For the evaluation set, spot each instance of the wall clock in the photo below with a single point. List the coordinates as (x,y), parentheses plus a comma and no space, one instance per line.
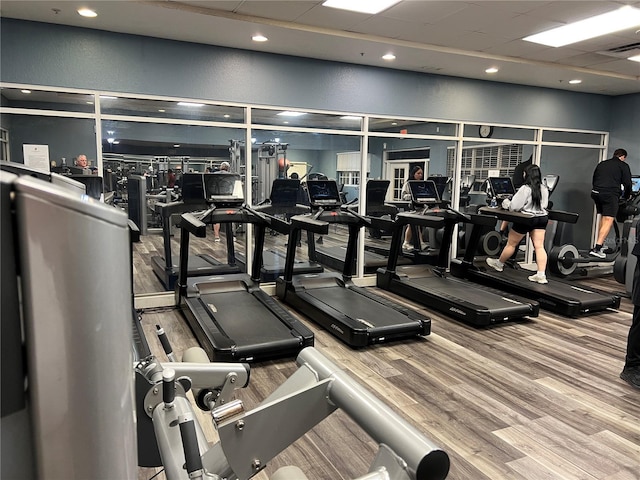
(486,131)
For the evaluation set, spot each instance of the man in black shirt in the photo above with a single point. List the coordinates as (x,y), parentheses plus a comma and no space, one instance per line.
(607,178)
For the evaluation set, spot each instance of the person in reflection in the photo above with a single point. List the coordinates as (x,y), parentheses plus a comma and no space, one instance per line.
(631,371)
(607,178)
(415,174)
(171,178)
(81,161)
(224,168)
(532,198)
(518,180)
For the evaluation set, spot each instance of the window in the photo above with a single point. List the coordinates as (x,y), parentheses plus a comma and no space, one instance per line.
(4,145)
(480,161)
(348,177)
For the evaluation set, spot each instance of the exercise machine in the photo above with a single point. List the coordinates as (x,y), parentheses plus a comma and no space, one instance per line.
(556,296)
(374,257)
(166,267)
(433,286)
(230,315)
(283,203)
(565,260)
(353,314)
(87,341)
(250,439)
(66,339)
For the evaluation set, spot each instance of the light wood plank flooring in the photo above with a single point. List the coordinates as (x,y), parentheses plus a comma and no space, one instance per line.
(538,399)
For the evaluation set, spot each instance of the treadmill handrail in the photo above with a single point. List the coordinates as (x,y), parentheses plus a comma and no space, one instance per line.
(188,221)
(411,218)
(306,222)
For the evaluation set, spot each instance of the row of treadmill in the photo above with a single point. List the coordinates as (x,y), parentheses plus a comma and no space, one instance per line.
(235,320)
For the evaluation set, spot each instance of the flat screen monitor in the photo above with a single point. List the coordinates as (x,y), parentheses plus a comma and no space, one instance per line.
(424,192)
(223,188)
(441,183)
(323,193)
(377,192)
(501,186)
(193,190)
(284,192)
(92,183)
(635,184)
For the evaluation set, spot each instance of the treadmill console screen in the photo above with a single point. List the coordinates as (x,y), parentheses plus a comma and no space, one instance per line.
(377,192)
(635,184)
(284,192)
(424,192)
(92,183)
(193,188)
(441,183)
(223,188)
(323,193)
(501,186)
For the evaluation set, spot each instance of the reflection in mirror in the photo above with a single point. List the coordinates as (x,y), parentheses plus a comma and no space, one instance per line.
(65,138)
(575,167)
(184,110)
(412,127)
(289,118)
(44,100)
(307,156)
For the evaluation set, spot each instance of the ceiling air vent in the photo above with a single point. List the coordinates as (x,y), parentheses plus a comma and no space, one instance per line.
(625,51)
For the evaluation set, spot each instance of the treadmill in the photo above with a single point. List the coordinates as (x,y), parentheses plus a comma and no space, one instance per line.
(232,318)
(432,286)
(355,315)
(557,296)
(166,267)
(375,257)
(283,203)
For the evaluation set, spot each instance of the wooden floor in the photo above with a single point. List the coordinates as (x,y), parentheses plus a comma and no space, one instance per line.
(539,399)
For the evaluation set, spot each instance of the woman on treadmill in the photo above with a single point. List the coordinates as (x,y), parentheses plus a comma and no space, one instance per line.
(532,198)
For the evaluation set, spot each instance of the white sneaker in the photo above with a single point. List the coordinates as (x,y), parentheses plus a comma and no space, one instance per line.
(217,239)
(424,246)
(597,253)
(538,278)
(407,246)
(495,264)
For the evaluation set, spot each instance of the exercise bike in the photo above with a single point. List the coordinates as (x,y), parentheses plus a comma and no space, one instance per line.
(566,260)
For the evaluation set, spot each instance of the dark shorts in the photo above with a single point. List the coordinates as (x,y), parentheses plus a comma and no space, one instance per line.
(537,223)
(606,203)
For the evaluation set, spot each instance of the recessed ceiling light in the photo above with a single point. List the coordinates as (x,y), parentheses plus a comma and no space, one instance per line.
(254,140)
(259,38)
(291,114)
(107,97)
(190,104)
(116,142)
(89,103)
(87,12)
(635,58)
(226,115)
(491,70)
(615,21)
(362,6)
(394,124)
(350,117)
(176,145)
(389,57)
(286,122)
(25,91)
(575,81)
(161,110)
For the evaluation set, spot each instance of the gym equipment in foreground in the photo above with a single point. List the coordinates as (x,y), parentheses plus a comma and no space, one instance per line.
(249,439)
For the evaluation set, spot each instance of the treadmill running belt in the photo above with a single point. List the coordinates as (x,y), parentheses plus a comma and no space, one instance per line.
(360,308)
(244,319)
(196,262)
(452,289)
